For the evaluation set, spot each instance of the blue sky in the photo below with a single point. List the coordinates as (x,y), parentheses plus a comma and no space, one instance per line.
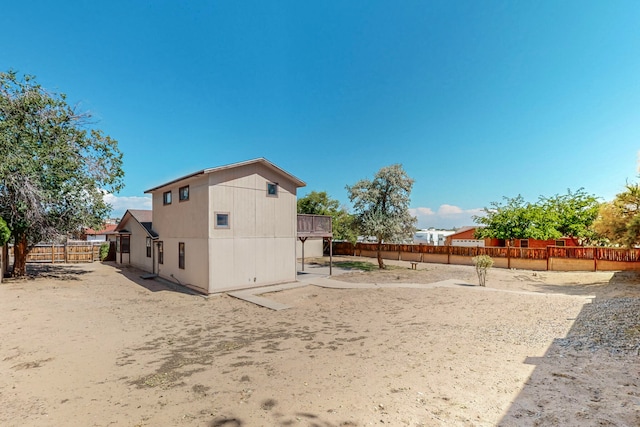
(477,100)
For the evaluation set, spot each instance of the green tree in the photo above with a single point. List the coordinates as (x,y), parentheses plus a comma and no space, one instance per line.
(573,214)
(515,219)
(5,233)
(566,215)
(381,206)
(619,220)
(55,168)
(319,203)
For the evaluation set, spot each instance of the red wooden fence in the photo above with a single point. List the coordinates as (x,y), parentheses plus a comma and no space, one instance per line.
(569,253)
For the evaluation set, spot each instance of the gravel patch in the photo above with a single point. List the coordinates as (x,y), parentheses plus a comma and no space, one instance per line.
(610,324)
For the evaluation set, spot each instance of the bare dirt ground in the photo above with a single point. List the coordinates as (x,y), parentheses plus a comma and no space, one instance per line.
(94,345)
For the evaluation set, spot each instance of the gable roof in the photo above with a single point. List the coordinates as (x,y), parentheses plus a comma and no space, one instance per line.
(298,182)
(462,230)
(107,229)
(142,217)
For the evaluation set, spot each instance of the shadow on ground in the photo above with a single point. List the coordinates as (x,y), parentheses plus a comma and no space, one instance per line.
(590,376)
(151,284)
(282,420)
(620,284)
(55,271)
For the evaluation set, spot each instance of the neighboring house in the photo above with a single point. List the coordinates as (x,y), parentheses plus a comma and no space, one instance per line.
(431,236)
(103,235)
(218,229)
(134,240)
(466,237)
(535,243)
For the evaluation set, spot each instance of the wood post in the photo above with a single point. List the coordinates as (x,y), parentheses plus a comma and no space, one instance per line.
(302,239)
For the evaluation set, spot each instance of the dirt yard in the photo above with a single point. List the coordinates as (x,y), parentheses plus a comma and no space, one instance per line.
(93,345)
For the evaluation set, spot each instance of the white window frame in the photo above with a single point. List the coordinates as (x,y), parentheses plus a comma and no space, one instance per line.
(275,186)
(216,223)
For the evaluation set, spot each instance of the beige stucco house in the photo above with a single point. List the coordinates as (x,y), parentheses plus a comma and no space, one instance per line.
(225,228)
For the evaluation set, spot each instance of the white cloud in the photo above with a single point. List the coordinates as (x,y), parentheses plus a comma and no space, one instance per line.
(421,212)
(446,216)
(449,210)
(121,203)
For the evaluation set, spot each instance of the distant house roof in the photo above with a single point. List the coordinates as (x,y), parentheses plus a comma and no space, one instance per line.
(298,182)
(142,216)
(108,229)
(462,230)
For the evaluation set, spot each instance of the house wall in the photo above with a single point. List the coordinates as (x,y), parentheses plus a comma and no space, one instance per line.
(312,248)
(187,222)
(468,234)
(195,263)
(467,242)
(137,256)
(138,250)
(534,243)
(259,246)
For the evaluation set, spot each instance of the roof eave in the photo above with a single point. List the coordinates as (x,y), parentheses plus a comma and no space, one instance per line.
(297,181)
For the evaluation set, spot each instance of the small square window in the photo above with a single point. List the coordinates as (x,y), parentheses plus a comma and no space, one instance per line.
(222,220)
(272,189)
(524,243)
(166,197)
(183,193)
(559,242)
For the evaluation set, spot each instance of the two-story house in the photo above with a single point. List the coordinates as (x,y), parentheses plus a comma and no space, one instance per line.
(224,228)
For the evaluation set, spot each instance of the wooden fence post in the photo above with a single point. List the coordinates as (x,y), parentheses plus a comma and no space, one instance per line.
(546,251)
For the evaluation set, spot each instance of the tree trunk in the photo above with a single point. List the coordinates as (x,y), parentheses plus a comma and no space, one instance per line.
(20,252)
(380,261)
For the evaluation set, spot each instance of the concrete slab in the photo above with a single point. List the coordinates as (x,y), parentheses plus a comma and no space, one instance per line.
(251,295)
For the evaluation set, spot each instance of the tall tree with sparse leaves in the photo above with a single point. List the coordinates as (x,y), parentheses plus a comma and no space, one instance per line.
(54,167)
(381,206)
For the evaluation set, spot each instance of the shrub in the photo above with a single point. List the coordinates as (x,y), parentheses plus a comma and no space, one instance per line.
(482,263)
(104,251)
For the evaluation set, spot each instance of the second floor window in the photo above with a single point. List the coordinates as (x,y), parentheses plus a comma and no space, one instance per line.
(272,189)
(222,220)
(166,198)
(183,193)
